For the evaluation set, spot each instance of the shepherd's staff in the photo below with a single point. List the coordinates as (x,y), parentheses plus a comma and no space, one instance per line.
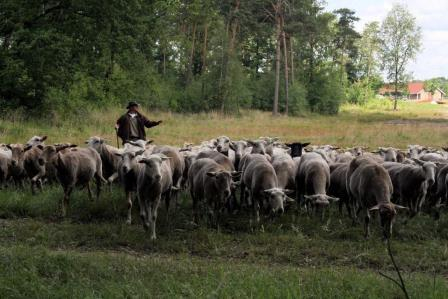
(116,134)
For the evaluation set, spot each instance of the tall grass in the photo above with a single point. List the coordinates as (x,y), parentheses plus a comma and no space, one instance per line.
(374,124)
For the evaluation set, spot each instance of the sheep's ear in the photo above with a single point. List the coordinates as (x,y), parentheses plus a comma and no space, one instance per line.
(306,144)
(40,146)
(268,191)
(289,199)
(232,145)
(418,161)
(375,208)
(398,207)
(164,158)
(251,142)
(138,153)
(332,199)
(288,191)
(86,142)
(212,173)
(149,142)
(44,138)
(310,197)
(143,161)
(9,146)
(118,154)
(63,147)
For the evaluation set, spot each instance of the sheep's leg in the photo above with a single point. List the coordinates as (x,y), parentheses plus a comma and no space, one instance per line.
(89,191)
(153,212)
(218,210)
(129,200)
(243,194)
(341,202)
(143,211)
(210,215)
(112,178)
(366,224)
(256,210)
(66,200)
(98,182)
(195,208)
(167,197)
(39,184)
(167,205)
(347,207)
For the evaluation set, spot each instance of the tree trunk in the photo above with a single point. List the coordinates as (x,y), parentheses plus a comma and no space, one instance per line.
(204,50)
(234,26)
(292,60)
(190,61)
(396,93)
(277,59)
(164,62)
(285,58)
(204,60)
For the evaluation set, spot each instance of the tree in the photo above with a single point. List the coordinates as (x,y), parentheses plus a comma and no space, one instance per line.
(400,43)
(369,47)
(345,40)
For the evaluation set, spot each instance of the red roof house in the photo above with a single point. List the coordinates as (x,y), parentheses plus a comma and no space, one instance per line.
(417,92)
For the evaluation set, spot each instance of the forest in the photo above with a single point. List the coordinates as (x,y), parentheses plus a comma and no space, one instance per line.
(285,56)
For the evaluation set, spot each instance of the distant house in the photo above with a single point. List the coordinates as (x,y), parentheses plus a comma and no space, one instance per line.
(438,95)
(388,90)
(415,92)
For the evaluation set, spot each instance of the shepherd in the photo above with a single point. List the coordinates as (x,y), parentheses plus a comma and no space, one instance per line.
(131,125)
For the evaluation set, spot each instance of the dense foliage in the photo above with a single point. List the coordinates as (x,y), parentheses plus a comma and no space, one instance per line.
(69,56)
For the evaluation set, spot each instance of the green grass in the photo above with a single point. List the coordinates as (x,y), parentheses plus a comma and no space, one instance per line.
(374,124)
(43,273)
(92,253)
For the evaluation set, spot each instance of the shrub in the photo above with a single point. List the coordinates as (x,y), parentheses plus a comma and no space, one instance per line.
(325,92)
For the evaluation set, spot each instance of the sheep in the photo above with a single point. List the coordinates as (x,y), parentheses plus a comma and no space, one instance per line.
(209,181)
(370,186)
(78,167)
(154,183)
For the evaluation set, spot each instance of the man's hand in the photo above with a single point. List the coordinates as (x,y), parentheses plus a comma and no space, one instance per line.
(159,122)
(116,127)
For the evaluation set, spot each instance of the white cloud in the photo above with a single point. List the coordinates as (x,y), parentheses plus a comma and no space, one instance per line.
(431,16)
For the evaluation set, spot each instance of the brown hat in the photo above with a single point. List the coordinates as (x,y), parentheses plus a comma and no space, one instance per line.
(132,104)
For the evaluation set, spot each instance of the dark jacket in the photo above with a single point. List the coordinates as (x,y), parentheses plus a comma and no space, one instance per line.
(124,127)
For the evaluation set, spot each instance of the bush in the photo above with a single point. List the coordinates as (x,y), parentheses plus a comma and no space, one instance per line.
(325,92)
(297,99)
(84,94)
(359,92)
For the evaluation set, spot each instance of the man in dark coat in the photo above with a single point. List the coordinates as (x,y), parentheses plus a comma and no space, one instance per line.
(131,125)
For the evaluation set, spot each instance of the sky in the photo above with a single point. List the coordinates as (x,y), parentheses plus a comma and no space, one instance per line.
(431,16)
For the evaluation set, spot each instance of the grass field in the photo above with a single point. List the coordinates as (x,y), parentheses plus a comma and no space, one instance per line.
(92,253)
(372,125)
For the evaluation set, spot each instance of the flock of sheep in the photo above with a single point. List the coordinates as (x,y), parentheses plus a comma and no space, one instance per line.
(270,176)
